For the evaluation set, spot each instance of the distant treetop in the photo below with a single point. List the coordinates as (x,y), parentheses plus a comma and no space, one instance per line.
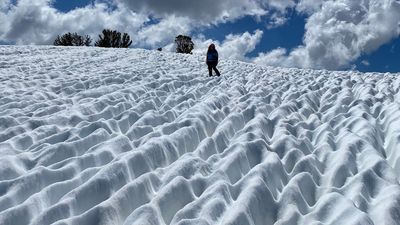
(184,44)
(72,39)
(113,39)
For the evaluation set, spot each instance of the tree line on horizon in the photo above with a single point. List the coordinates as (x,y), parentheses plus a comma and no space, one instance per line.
(115,39)
(107,39)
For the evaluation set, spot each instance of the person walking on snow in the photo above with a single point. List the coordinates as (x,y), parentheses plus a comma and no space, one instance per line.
(212,60)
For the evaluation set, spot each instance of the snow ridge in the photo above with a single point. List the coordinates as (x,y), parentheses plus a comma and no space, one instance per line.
(133,137)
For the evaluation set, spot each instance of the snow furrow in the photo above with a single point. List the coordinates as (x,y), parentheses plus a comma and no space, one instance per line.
(133,137)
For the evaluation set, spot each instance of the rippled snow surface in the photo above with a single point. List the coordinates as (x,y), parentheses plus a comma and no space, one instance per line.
(135,137)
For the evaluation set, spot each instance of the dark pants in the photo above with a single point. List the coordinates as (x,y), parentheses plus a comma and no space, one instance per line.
(213,66)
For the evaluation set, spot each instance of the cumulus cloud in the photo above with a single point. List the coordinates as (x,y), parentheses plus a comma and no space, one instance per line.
(213,12)
(309,6)
(338,32)
(156,35)
(275,57)
(4,4)
(205,11)
(235,46)
(36,22)
(280,5)
(238,46)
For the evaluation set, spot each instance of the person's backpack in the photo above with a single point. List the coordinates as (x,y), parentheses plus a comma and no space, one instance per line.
(212,56)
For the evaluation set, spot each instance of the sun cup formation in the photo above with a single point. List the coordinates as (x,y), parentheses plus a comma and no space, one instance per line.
(136,137)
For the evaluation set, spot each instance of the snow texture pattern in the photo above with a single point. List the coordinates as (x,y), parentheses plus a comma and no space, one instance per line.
(136,137)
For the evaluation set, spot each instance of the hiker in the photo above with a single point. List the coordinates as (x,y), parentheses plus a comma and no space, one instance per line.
(212,60)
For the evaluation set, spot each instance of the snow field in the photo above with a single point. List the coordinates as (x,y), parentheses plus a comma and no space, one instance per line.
(135,137)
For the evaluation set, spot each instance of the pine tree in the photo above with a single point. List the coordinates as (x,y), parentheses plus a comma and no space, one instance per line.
(184,44)
(72,39)
(113,39)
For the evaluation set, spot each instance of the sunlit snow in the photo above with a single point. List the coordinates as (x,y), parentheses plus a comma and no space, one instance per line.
(126,136)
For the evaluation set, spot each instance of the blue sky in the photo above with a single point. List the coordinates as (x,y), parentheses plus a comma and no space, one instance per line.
(278,44)
(68,5)
(385,59)
(290,35)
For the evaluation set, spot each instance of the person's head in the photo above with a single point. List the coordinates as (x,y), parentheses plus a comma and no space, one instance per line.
(211,47)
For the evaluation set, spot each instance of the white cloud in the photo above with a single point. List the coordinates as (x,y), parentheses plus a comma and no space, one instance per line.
(277,19)
(277,14)
(309,6)
(165,31)
(205,11)
(280,5)
(36,22)
(4,7)
(338,32)
(275,57)
(4,4)
(235,46)
(365,63)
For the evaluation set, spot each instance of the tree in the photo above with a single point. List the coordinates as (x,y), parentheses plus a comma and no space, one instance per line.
(113,39)
(72,39)
(184,44)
